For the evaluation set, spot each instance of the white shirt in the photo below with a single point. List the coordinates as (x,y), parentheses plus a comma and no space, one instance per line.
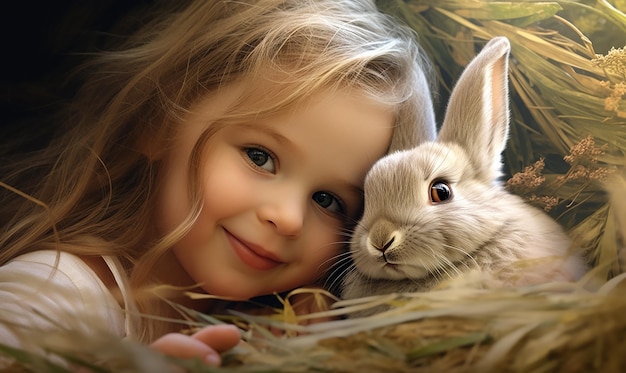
(47,291)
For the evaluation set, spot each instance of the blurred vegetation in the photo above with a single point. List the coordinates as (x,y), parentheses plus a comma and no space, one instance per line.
(567,79)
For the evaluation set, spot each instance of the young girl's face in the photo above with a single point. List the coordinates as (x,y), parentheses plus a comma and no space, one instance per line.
(277,193)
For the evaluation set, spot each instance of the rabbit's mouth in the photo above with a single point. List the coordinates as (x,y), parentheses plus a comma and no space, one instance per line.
(400,271)
(394,271)
(386,260)
(390,266)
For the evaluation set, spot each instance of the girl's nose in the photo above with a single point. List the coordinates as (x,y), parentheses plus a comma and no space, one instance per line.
(285,214)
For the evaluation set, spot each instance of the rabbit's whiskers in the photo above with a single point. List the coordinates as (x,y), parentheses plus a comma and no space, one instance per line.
(340,268)
(466,254)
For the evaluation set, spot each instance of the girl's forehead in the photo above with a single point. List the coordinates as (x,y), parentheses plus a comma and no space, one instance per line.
(344,111)
(277,93)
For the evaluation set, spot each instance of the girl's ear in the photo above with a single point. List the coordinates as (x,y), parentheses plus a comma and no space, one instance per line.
(477,117)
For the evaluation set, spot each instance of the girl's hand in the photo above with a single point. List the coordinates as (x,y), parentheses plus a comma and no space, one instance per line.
(206,344)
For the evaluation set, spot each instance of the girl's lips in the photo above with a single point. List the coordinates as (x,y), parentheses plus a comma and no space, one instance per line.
(251,255)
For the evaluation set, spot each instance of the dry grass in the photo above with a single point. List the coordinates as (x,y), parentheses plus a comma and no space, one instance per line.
(553,327)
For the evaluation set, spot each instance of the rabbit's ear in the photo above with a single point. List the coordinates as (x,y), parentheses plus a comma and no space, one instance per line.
(414,128)
(477,117)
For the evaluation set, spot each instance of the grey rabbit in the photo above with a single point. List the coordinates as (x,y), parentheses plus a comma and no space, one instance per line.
(438,210)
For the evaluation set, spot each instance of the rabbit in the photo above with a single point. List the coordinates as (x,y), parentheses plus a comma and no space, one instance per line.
(438,210)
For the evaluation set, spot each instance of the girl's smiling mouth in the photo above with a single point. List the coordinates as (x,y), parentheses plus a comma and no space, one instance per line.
(252,255)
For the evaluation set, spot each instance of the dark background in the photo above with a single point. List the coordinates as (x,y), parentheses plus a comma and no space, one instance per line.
(42,42)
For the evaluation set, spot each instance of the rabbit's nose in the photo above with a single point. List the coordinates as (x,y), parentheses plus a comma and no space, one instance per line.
(387,244)
(383,235)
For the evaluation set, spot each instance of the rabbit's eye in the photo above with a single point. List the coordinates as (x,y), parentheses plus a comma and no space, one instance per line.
(440,191)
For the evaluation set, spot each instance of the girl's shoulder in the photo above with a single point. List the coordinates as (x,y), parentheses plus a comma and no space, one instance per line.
(60,283)
(62,268)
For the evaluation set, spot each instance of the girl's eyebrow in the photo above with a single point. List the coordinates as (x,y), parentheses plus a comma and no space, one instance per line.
(268,131)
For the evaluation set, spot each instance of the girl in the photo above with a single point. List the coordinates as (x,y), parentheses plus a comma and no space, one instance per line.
(223,146)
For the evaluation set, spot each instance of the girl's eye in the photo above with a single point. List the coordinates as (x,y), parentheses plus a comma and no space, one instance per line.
(261,158)
(329,202)
(440,191)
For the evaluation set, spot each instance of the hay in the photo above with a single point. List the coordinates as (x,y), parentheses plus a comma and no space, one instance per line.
(567,155)
(552,327)
(556,327)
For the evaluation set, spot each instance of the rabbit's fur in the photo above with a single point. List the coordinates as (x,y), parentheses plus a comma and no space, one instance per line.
(405,242)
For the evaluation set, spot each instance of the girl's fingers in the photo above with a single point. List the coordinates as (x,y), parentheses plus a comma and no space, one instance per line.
(220,337)
(186,347)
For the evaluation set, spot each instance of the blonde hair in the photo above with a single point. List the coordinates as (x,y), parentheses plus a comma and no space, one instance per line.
(95,180)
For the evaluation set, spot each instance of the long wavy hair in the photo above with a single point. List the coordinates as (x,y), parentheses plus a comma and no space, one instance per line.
(91,191)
